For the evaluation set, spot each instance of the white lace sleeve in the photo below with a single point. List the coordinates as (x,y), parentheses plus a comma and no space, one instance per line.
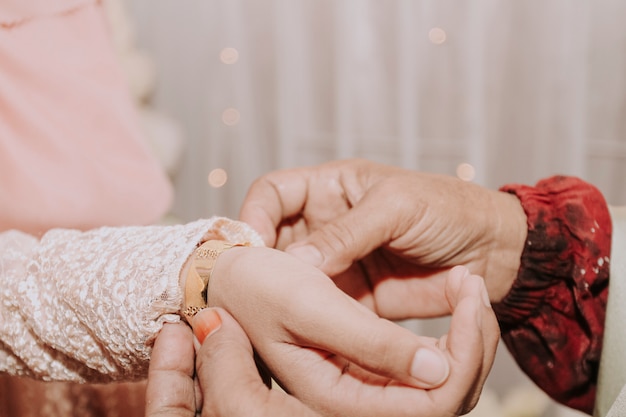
(86,306)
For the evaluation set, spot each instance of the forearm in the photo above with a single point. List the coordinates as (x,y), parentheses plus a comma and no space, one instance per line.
(87,306)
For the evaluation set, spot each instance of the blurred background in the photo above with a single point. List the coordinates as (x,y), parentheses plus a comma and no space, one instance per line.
(494,91)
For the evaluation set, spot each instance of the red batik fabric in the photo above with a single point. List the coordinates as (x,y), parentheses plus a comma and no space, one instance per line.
(552,320)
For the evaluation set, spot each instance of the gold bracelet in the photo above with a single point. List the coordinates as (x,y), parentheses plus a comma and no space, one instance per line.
(199,274)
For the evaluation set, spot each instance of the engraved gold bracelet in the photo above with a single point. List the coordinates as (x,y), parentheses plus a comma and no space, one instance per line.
(199,274)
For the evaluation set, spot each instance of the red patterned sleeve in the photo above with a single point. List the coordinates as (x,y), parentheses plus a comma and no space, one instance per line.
(552,319)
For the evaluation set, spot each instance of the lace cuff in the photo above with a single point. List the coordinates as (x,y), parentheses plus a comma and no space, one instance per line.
(552,320)
(86,306)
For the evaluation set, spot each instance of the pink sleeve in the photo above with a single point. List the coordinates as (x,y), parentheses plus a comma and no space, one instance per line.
(72,153)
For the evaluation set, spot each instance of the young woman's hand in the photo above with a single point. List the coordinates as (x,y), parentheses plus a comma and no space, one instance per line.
(319,381)
(337,356)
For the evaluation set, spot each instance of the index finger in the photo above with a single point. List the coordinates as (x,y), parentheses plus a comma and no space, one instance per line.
(230,381)
(272,198)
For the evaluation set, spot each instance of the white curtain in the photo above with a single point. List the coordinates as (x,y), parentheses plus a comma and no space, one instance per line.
(519,90)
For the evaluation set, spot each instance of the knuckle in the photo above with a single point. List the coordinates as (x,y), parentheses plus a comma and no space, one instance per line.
(337,238)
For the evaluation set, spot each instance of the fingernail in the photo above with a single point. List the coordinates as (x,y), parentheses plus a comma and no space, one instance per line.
(479,318)
(456,276)
(460,270)
(308,254)
(458,273)
(205,323)
(429,366)
(485,296)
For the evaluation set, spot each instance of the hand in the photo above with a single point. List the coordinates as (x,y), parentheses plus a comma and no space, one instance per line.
(228,376)
(339,358)
(389,228)
(225,374)
(231,386)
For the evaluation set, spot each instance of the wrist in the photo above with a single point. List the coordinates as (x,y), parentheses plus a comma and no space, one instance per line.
(196,275)
(510,232)
(222,280)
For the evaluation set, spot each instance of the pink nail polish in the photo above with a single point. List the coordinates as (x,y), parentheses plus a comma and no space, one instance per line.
(205,323)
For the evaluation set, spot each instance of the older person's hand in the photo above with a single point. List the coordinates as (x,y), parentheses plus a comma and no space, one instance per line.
(379,231)
(231,386)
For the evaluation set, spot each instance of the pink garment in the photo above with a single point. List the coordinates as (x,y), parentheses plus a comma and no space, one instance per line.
(72,153)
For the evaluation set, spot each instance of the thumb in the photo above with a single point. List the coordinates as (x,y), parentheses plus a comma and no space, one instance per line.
(209,320)
(170,390)
(228,375)
(224,361)
(349,237)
